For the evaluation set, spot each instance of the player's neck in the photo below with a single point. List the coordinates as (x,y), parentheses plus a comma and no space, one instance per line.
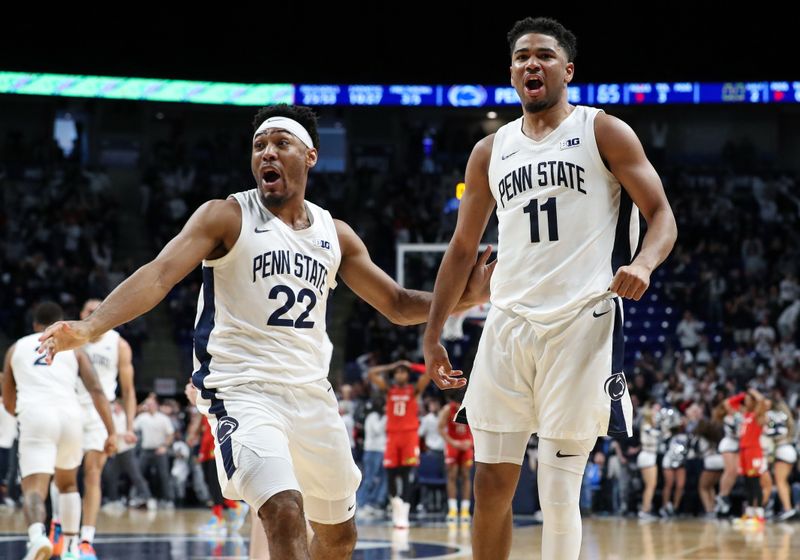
(293,213)
(540,124)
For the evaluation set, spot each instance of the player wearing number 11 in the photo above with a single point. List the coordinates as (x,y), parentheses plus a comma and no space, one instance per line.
(566,181)
(262,352)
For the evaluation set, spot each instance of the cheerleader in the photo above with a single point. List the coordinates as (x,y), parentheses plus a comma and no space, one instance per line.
(729,449)
(708,434)
(673,464)
(649,435)
(780,429)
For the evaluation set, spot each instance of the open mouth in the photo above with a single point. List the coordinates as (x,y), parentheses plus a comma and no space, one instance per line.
(533,84)
(270,177)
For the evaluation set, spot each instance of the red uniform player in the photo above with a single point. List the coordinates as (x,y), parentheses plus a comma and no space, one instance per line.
(751,456)
(402,438)
(458,458)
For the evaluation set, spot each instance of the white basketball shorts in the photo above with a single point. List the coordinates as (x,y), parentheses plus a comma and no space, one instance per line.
(564,382)
(713,462)
(49,439)
(94,431)
(299,424)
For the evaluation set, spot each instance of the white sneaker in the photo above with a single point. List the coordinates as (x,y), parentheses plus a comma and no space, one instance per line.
(152,504)
(402,518)
(397,510)
(39,548)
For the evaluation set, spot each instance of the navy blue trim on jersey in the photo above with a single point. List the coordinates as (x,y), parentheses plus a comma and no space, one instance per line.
(616,421)
(622,253)
(202,332)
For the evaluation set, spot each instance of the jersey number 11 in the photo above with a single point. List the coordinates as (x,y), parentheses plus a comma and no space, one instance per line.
(533,209)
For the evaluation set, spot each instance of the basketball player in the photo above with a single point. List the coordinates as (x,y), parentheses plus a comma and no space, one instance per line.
(564,180)
(270,259)
(402,436)
(111,357)
(458,458)
(43,397)
(751,457)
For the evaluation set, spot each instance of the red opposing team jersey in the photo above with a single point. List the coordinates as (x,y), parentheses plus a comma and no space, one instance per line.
(401,409)
(750,431)
(454,429)
(206,452)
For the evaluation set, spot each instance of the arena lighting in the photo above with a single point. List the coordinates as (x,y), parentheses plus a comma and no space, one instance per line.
(461,95)
(145,89)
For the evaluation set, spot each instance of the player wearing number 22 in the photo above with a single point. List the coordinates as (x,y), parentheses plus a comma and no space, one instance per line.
(566,182)
(270,259)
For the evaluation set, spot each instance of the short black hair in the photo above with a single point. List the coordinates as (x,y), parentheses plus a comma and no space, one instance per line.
(545,26)
(47,313)
(300,113)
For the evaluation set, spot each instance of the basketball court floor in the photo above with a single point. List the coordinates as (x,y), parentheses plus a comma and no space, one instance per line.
(170,535)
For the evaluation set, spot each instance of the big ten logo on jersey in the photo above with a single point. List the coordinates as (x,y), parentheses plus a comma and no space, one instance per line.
(570,143)
(322,244)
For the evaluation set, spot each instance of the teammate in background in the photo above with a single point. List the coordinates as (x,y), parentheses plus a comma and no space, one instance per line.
(43,397)
(649,435)
(751,457)
(565,180)
(111,357)
(402,436)
(270,259)
(458,458)
(781,429)
(729,449)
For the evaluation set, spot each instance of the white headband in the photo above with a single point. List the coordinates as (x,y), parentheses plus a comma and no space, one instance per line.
(289,125)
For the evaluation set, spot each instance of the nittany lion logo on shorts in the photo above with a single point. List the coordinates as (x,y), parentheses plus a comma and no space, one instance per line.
(225,427)
(615,386)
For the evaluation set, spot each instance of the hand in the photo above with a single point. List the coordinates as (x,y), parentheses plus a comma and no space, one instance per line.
(464,445)
(438,367)
(161,450)
(191,393)
(129,437)
(63,335)
(631,281)
(477,290)
(110,446)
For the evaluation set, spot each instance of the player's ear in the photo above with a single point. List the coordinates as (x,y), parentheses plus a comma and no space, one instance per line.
(570,72)
(311,157)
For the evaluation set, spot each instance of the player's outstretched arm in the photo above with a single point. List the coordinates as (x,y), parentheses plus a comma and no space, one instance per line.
(626,159)
(9,383)
(473,215)
(213,226)
(400,305)
(93,387)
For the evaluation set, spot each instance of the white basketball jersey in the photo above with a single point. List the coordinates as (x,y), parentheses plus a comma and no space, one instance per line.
(39,385)
(261,312)
(562,217)
(104,355)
